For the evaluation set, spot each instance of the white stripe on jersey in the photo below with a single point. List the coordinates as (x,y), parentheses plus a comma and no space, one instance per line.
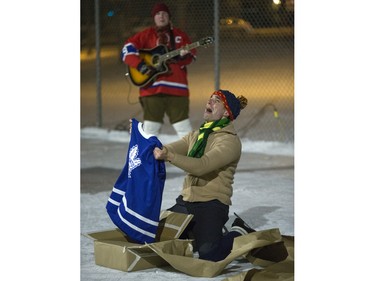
(135,227)
(138,216)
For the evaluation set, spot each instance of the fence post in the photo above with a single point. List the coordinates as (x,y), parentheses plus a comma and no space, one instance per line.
(98,67)
(216,45)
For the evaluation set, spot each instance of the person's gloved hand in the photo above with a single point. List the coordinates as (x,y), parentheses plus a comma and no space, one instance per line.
(144,68)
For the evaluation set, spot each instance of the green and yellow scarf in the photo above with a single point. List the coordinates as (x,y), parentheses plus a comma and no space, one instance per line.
(204,131)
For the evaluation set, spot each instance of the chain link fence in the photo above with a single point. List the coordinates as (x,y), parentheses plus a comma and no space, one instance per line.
(253,55)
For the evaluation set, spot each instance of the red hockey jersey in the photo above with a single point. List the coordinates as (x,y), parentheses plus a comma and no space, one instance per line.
(173,82)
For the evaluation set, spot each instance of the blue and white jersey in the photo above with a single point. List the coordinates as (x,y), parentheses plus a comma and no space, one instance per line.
(135,202)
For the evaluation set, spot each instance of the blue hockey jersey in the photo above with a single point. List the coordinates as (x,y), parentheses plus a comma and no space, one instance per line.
(135,201)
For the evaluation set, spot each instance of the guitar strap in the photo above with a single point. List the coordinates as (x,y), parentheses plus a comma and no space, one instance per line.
(173,43)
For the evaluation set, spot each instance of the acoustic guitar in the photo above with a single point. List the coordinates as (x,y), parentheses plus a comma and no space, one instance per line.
(158,58)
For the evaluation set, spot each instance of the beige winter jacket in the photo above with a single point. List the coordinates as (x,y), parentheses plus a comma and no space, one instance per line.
(211,176)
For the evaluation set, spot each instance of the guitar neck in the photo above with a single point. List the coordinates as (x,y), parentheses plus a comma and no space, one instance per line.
(176,52)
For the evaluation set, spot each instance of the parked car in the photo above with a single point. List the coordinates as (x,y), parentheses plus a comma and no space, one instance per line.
(232,26)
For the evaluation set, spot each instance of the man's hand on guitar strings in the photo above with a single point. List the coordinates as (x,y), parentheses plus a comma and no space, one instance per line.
(144,68)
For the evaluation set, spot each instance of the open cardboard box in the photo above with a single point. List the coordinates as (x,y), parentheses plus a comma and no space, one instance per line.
(114,250)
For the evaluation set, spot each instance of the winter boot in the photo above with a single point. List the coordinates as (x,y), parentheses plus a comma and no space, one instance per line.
(241,227)
(275,252)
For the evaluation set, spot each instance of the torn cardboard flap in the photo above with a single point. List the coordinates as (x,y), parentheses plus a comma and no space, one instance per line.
(124,256)
(111,234)
(279,271)
(261,238)
(113,249)
(203,268)
(273,253)
(172,225)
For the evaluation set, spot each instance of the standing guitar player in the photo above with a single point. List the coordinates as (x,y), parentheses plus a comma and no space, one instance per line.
(167,93)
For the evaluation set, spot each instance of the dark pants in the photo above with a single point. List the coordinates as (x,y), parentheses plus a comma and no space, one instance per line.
(206,228)
(154,108)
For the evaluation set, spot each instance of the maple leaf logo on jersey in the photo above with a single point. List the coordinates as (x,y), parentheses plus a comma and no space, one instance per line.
(134,161)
